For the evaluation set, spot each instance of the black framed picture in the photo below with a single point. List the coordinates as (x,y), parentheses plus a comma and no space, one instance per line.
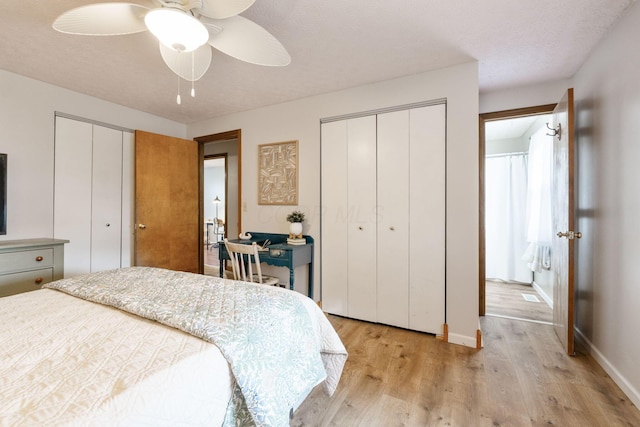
(3,194)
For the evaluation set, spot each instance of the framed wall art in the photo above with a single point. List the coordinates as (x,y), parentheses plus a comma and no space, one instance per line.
(278,173)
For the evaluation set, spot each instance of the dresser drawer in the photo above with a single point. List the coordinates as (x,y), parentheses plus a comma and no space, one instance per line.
(23,282)
(27,259)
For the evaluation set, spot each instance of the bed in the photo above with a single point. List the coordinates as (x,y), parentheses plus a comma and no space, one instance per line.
(148,346)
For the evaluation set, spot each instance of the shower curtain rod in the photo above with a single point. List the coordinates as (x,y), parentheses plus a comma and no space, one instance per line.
(517,153)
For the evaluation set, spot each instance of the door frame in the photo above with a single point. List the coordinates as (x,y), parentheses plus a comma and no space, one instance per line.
(482,120)
(202,140)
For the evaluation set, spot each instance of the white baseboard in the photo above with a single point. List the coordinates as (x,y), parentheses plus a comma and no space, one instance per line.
(615,375)
(542,294)
(462,340)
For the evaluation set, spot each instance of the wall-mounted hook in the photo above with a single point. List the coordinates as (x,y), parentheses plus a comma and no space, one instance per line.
(556,132)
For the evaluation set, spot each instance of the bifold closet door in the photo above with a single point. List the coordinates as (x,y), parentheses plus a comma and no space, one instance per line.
(411,218)
(361,218)
(72,193)
(393,219)
(427,210)
(383,218)
(106,199)
(348,243)
(93,195)
(333,244)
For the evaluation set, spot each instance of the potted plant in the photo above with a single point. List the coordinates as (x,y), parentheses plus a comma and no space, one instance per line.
(295,228)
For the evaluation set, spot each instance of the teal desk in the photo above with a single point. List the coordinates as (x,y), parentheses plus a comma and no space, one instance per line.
(280,254)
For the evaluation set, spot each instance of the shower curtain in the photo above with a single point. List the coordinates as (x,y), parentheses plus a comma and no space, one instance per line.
(505,217)
(539,204)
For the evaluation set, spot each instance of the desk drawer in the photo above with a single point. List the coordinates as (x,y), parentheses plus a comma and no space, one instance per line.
(23,282)
(277,253)
(26,260)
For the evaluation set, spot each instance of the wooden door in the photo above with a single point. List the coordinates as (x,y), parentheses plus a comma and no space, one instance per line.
(564,221)
(393,219)
(167,202)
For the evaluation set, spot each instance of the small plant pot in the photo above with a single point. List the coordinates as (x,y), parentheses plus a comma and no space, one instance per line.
(295,229)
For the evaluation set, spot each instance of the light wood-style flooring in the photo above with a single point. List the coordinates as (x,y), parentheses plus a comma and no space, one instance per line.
(395,377)
(506,299)
(211,256)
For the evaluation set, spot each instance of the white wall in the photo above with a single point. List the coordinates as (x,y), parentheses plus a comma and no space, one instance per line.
(607,95)
(27,109)
(508,145)
(214,187)
(523,96)
(300,120)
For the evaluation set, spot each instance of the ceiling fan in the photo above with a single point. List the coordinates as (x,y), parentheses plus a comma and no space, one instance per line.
(185,29)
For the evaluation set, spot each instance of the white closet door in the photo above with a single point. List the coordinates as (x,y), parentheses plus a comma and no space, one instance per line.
(427,217)
(106,215)
(393,219)
(72,193)
(361,218)
(333,154)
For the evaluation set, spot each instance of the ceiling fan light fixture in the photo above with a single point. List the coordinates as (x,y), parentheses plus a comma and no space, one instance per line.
(176,29)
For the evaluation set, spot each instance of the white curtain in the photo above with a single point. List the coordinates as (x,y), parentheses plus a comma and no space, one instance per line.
(539,215)
(505,217)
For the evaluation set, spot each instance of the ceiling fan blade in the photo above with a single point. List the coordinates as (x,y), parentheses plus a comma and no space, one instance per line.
(221,9)
(190,66)
(102,19)
(247,41)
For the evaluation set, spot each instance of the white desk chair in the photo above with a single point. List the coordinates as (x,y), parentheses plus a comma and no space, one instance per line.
(218,229)
(242,264)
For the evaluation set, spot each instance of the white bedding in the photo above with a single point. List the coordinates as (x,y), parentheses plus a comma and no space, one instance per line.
(67,361)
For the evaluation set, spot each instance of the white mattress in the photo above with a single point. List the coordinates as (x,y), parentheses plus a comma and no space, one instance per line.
(81,363)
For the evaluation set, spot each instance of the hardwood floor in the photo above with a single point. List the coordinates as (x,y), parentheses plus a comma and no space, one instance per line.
(211,256)
(395,377)
(507,299)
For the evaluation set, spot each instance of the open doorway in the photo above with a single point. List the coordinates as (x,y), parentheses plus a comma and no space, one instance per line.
(516,157)
(220,211)
(215,207)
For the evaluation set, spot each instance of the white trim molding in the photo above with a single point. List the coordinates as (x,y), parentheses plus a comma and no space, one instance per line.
(626,387)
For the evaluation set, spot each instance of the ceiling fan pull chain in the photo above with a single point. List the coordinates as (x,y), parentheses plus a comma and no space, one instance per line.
(193,73)
(178,100)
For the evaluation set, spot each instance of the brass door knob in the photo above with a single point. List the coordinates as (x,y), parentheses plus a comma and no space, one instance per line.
(38,280)
(142,226)
(570,234)
(39,258)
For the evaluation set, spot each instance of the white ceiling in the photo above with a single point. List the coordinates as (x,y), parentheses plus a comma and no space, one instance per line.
(334,44)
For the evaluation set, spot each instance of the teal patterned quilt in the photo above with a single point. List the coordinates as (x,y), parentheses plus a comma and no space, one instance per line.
(276,351)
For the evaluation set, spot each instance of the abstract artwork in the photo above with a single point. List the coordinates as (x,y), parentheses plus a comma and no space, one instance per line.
(278,173)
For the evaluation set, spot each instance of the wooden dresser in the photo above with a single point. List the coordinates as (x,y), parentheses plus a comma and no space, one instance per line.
(25,265)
